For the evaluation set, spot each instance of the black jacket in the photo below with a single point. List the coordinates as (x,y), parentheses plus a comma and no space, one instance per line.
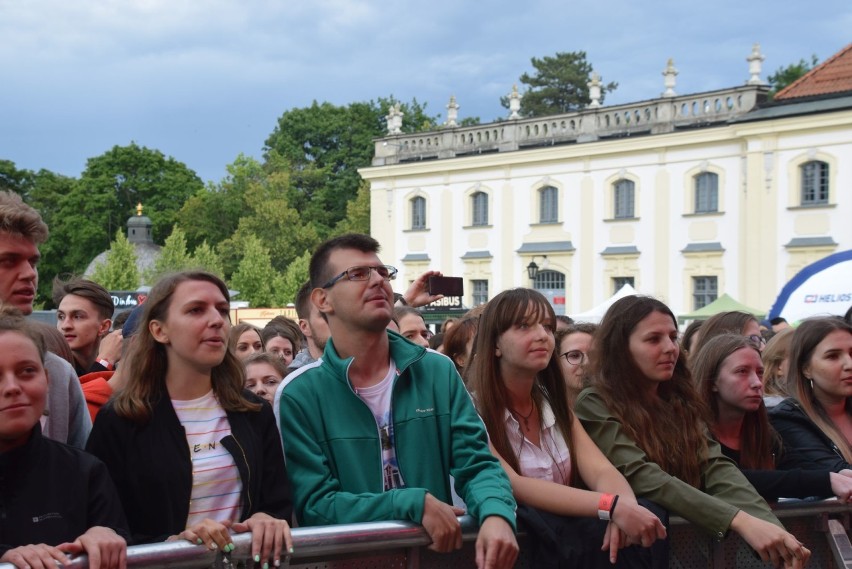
(795,483)
(805,445)
(53,493)
(152,468)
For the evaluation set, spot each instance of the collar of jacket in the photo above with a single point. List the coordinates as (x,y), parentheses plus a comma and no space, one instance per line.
(403,353)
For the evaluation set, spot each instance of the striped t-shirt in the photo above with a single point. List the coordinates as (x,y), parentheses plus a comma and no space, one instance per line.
(216,485)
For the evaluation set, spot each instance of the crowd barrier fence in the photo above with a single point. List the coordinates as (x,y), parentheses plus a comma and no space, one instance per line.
(822,526)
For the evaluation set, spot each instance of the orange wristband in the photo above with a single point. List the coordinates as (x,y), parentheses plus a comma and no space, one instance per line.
(606,505)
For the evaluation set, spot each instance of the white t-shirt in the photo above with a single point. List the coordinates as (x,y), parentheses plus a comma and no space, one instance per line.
(378,399)
(216,484)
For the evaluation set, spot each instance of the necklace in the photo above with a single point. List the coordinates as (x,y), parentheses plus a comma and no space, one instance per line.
(524,418)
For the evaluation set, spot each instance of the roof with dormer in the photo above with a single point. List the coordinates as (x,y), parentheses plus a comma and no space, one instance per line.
(833,76)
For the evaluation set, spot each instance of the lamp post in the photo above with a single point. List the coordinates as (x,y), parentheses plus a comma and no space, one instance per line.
(532,270)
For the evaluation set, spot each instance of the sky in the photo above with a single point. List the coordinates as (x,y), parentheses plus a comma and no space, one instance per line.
(206,80)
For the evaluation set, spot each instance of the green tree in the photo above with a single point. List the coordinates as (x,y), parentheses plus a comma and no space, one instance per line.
(205,258)
(173,257)
(213,213)
(118,271)
(255,279)
(293,278)
(14,180)
(559,85)
(107,193)
(325,145)
(785,76)
(357,218)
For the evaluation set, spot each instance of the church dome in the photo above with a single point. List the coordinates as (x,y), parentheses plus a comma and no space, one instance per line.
(139,235)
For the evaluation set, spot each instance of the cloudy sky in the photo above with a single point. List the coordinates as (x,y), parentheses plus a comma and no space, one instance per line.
(205,80)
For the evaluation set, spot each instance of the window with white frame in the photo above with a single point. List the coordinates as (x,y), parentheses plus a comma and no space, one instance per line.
(706,192)
(623,195)
(619,282)
(480,291)
(479,204)
(548,201)
(418,213)
(814,182)
(704,291)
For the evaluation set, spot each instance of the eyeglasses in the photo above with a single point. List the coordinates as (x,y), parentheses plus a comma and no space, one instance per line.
(758,340)
(363,274)
(574,357)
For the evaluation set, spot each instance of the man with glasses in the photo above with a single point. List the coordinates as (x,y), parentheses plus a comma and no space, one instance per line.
(374,429)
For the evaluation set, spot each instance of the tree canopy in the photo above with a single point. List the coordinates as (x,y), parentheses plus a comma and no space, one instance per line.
(558,85)
(105,196)
(785,76)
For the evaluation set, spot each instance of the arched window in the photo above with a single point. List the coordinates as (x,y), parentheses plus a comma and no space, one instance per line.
(548,201)
(814,182)
(552,285)
(549,280)
(479,205)
(418,213)
(706,192)
(623,194)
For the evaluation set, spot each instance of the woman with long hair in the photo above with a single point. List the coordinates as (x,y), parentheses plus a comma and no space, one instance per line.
(729,373)
(521,395)
(816,422)
(192,453)
(645,414)
(244,340)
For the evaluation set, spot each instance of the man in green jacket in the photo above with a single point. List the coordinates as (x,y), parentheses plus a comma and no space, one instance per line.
(374,429)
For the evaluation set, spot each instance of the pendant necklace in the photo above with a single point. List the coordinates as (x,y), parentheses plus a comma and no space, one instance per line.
(524,418)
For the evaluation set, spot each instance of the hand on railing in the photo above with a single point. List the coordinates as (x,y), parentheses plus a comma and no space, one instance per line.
(269,537)
(210,533)
(105,550)
(442,525)
(496,545)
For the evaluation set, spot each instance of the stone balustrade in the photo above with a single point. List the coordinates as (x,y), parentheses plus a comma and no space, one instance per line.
(656,116)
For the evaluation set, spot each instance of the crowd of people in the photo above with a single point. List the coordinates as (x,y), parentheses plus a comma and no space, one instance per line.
(176,425)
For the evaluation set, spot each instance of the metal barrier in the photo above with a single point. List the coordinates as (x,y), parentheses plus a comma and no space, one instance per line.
(822,526)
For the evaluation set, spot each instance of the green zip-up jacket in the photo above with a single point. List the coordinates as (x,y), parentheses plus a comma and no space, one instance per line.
(333,450)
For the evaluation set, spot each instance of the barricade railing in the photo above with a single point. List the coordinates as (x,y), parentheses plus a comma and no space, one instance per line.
(820,525)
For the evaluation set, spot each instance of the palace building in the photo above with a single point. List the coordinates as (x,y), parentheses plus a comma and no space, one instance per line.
(684,197)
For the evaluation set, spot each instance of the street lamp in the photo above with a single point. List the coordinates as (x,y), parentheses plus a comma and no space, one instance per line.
(532,270)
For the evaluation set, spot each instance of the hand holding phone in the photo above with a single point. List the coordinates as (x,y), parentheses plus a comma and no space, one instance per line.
(448,286)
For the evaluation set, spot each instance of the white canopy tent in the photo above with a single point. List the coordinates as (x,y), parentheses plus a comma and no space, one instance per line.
(823,287)
(596,314)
